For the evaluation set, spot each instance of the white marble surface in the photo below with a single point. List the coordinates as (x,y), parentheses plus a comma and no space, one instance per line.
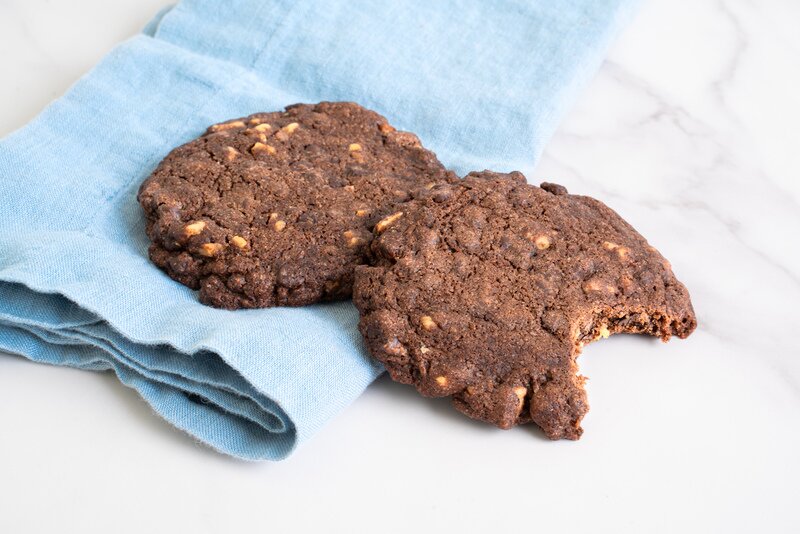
(689,131)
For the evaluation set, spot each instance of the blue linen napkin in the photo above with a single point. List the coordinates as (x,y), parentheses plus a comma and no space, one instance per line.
(482,83)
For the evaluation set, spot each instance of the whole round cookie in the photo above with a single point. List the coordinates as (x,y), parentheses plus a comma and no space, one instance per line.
(277,208)
(486,291)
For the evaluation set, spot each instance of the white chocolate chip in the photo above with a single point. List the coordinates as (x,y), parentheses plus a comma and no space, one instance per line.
(520,392)
(427,322)
(542,242)
(599,286)
(231,153)
(395,348)
(210,249)
(352,239)
(262,138)
(227,126)
(290,128)
(261,148)
(194,228)
(238,241)
(384,223)
(355,152)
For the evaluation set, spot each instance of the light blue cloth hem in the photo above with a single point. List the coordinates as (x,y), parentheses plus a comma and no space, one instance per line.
(483,86)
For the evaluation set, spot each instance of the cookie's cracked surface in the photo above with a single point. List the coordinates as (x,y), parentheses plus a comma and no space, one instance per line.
(277,208)
(486,291)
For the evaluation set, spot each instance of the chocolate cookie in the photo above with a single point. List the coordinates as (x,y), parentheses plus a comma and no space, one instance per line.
(277,208)
(486,291)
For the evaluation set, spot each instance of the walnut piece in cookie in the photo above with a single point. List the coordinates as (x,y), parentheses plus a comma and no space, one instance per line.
(253,212)
(486,290)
